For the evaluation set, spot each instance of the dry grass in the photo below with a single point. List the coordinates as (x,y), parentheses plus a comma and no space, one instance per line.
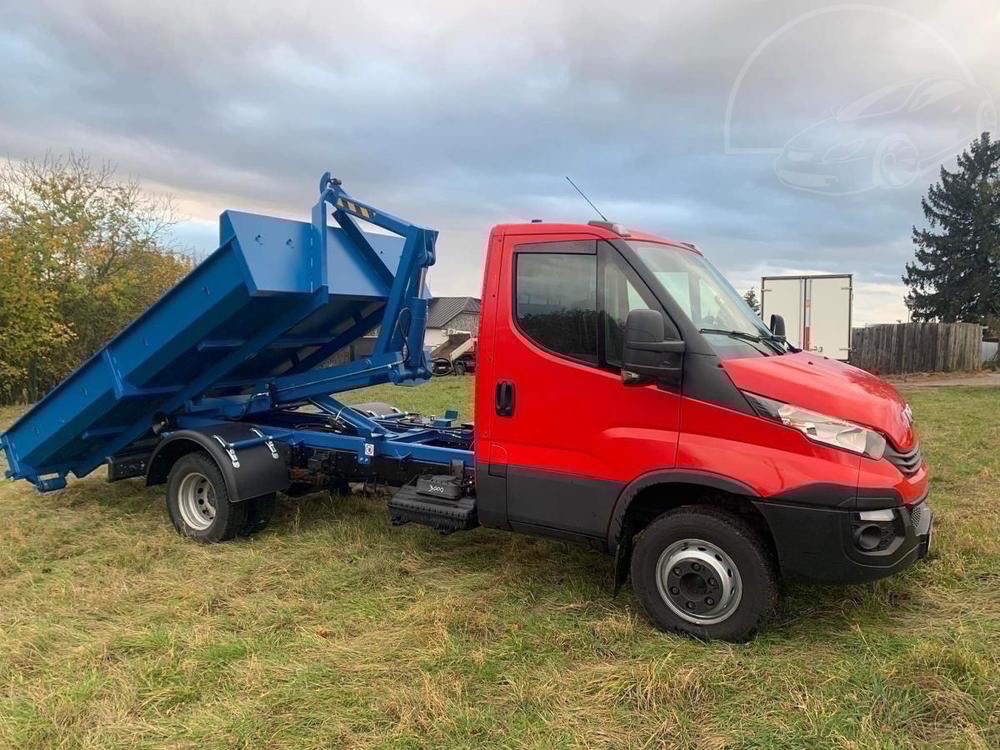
(332,629)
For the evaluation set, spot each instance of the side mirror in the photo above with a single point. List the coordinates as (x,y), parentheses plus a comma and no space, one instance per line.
(777,325)
(647,352)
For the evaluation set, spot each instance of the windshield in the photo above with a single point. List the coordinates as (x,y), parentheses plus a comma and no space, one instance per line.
(699,289)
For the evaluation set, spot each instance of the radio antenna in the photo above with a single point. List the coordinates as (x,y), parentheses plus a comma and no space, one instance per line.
(586,198)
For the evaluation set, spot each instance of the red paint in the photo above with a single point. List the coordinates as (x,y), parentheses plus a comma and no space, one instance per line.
(612,434)
(829,387)
(582,421)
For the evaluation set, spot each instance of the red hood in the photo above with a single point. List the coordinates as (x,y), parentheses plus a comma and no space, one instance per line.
(829,387)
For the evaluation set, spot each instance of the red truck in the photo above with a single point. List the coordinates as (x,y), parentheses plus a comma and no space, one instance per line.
(625,397)
(628,397)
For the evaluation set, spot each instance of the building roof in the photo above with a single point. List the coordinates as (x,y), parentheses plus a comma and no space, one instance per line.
(443,310)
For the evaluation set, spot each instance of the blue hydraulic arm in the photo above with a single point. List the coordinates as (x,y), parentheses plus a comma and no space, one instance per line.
(398,353)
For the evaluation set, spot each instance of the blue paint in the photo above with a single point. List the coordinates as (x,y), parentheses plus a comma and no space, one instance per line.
(245,334)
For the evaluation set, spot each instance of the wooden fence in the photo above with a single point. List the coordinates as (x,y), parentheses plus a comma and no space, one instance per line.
(917,347)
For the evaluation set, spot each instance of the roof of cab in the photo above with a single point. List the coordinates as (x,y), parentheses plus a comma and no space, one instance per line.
(544,228)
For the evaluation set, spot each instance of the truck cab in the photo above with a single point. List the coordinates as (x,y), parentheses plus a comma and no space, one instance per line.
(627,397)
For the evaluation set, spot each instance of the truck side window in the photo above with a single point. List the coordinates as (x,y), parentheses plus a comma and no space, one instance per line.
(623,292)
(556,302)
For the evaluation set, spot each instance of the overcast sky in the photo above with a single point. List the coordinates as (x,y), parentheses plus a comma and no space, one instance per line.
(778,136)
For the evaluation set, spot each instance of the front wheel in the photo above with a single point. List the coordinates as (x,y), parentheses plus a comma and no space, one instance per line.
(704,572)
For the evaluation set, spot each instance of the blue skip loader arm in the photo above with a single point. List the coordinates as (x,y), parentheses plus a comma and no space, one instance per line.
(398,354)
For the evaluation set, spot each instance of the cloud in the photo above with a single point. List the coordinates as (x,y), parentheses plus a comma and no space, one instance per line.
(460,115)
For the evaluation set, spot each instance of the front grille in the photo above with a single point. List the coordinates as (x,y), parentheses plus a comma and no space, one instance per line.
(908,463)
(915,513)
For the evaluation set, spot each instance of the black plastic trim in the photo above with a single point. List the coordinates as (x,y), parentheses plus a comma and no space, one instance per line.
(668,476)
(491,495)
(704,379)
(842,496)
(816,543)
(820,495)
(559,504)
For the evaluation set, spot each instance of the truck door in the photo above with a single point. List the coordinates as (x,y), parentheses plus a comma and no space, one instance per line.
(570,432)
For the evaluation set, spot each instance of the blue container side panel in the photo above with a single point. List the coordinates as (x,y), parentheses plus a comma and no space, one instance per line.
(247,313)
(51,433)
(280,256)
(349,273)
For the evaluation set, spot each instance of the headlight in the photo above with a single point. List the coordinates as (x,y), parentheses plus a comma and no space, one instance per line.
(820,428)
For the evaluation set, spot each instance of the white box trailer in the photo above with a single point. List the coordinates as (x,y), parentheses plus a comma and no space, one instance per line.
(816,309)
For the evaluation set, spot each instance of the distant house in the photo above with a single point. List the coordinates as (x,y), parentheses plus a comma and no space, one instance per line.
(450,313)
(444,314)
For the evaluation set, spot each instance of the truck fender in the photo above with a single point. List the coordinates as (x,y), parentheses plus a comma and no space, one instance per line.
(249,472)
(667,477)
(620,532)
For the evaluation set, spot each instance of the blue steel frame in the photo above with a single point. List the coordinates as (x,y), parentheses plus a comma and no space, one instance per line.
(375,438)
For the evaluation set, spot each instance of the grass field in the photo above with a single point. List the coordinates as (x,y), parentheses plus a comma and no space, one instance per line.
(333,629)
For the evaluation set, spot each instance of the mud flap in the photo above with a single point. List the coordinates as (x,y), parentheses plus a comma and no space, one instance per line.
(623,557)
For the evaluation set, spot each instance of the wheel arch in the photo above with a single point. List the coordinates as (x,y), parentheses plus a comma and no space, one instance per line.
(169,451)
(652,494)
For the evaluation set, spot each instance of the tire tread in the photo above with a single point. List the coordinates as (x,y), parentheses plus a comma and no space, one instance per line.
(736,628)
(230,518)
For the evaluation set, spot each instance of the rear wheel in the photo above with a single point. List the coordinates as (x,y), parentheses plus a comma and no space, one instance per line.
(459,368)
(704,572)
(198,502)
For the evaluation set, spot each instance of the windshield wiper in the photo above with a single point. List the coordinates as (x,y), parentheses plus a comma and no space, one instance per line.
(774,343)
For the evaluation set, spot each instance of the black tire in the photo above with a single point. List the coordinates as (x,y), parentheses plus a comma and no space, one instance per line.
(204,478)
(458,369)
(260,511)
(724,535)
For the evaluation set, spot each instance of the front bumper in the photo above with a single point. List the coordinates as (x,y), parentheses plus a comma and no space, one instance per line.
(837,545)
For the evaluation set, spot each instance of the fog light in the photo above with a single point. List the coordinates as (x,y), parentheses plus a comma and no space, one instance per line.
(868,537)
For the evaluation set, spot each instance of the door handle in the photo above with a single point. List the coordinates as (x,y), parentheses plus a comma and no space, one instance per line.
(505,398)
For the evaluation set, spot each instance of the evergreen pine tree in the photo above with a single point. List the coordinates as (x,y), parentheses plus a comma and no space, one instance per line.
(751,299)
(956,274)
